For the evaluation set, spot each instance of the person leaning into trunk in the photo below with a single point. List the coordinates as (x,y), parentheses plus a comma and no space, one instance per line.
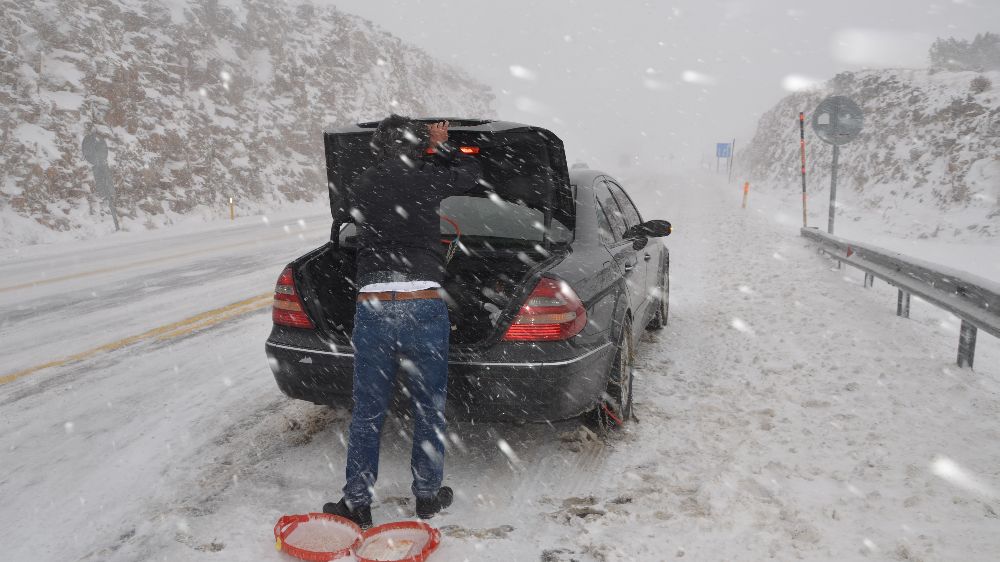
(401,321)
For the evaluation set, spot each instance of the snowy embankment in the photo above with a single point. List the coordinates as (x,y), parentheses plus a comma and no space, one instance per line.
(784,413)
(926,165)
(977,256)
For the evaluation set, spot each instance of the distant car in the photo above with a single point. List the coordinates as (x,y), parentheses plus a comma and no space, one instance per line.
(555,277)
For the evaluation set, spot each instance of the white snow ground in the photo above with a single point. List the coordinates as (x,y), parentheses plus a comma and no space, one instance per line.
(978,256)
(785,413)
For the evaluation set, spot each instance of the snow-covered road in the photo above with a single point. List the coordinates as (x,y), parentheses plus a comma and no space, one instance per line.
(82,294)
(785,413)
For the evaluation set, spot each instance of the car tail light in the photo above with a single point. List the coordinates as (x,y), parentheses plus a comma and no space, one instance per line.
(462,149)
(552,312)
(288,309)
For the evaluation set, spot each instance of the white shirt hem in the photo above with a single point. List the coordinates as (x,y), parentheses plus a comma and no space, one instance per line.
(399,286)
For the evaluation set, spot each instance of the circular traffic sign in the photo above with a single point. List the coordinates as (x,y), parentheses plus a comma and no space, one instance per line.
(838,120)
(95,150)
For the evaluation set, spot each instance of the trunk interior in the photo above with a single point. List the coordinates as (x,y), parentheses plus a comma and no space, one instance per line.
(486,285)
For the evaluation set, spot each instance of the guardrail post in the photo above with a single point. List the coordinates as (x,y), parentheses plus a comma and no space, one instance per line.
(903,304)
(975,301)
(966,345)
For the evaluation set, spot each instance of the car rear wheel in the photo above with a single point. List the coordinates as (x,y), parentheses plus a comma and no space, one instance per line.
(663,303)
(615,407)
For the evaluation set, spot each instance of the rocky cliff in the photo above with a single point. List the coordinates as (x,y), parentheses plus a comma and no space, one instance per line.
(198,101)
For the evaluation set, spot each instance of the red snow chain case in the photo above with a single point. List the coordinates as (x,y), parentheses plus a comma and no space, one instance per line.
(318,537)
(401,541)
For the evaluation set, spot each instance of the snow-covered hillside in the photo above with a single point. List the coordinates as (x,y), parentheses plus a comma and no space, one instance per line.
(927,164)
(197,100)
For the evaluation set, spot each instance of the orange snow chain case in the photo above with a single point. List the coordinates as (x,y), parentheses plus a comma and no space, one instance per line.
(318,537)
(401,541)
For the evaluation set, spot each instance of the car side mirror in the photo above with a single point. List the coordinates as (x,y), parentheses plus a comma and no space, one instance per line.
(650,229)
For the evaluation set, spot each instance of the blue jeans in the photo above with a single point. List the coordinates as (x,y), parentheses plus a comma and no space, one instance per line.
(411,335)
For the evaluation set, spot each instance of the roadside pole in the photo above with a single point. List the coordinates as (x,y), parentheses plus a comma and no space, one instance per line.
(232,210)
(833,188)
(746,193)
(802,145)
(732,158)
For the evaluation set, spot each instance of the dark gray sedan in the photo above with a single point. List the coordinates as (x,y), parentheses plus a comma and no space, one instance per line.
(552,277)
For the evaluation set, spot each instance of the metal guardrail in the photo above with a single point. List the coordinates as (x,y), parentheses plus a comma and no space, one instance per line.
(974,300)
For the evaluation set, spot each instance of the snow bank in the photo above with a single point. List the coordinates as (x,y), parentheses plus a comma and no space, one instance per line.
(926,165)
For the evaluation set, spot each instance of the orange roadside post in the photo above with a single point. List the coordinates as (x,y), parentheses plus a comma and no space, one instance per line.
(746,193)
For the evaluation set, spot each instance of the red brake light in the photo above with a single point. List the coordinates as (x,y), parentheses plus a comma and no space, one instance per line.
(288,309)
(462,149)
(552,312)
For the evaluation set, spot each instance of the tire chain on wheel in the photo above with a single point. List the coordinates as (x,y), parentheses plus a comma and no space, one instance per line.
(608,400)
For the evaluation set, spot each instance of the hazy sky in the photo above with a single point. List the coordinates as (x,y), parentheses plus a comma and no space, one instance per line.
(663,78)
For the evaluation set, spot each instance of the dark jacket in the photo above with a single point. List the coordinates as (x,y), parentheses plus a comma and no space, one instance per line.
(395,205)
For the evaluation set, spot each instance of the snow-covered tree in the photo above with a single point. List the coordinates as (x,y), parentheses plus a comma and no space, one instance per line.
(982,53)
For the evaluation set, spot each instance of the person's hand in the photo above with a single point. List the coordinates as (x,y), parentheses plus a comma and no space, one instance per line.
(438,133)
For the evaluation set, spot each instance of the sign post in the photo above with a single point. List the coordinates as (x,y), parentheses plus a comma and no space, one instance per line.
(732,157)
(802,145)
(833,188)
(837,121)
(95,151)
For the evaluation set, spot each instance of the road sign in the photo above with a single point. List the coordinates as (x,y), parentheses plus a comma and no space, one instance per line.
(723,150)
(95,150)
(837,121)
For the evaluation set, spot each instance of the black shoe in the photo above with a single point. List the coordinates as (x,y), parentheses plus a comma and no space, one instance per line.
(426,508)
(362,514)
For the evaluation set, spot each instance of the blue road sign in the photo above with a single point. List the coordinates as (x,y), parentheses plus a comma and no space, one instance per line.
(723,150)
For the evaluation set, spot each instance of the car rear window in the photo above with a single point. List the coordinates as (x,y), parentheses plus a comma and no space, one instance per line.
(495,218)
(492,218)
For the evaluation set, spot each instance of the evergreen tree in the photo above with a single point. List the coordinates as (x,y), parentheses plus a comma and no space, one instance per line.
(981,54)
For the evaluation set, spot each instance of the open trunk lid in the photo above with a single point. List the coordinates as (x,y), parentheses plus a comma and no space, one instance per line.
(521,163)
(515,225)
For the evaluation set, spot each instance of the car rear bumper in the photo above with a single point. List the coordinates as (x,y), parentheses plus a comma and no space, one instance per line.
(479,388)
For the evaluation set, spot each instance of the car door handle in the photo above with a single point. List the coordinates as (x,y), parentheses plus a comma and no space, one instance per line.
(648,257)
